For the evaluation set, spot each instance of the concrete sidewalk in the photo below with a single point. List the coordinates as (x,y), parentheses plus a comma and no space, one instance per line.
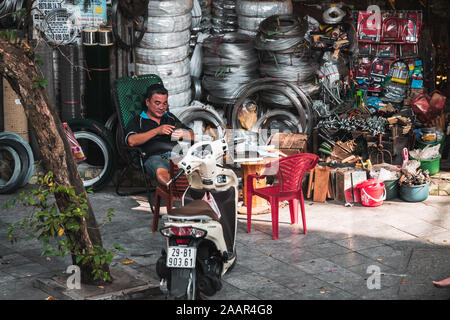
(409,243)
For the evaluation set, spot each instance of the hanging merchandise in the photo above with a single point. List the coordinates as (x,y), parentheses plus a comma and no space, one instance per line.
(89,36)
(60,27)
(105,36)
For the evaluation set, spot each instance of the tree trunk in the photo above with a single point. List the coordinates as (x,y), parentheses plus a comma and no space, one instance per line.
(18,68)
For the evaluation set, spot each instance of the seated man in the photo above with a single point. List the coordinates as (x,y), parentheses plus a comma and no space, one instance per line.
(157,131)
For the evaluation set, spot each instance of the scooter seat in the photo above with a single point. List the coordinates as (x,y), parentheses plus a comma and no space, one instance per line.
(195,208)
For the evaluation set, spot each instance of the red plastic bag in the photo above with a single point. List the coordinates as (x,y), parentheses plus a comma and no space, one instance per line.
(437,101)
(422,108)
(77,152)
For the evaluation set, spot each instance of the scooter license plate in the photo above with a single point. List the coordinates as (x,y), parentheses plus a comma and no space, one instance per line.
(181,257)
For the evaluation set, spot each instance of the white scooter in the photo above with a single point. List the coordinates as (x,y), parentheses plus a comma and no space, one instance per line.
(200,236)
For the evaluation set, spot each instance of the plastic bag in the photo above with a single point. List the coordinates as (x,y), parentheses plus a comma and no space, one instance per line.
(77,152)
(212,203)
(429,152)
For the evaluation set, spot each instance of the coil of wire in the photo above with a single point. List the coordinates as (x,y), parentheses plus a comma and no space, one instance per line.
(229,62)
(153,40)
(161,8)
(281,33)
(167,24)
(224,18)
(174,69)
(301,101)
(263,8)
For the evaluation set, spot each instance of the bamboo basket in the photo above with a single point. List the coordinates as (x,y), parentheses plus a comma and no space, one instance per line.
(15,119)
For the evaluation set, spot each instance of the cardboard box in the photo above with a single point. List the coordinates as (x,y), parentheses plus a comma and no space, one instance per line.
(289,143)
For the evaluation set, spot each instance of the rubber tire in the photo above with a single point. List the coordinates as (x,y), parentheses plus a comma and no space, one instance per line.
(12,182)
(25,162)
(17,137)
(108,154)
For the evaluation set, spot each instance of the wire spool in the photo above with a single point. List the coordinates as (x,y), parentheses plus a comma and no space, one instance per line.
(249,23)
(248,33)
(161,8)
(165,40)
(199,117)
(169,24)
(229,62)
(161,56)
(278,120)
(181,99)
(333,15)
(263,8)
(59,27)
(224,18)
(196,88)
(69,80)
(89,36)
(300,101)
(105,36)
(175,69)
(178,84)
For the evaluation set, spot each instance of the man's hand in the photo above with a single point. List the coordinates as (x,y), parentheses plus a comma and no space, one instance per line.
(181,134)
(165,129)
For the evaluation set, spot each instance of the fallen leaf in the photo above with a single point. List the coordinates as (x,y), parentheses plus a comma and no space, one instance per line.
(60,232)
(331,270)
(262,278)
(147,281)
(48,259)
(29,275)
(303,284)
(322,292)
(128,262)
(50,298)
(430,240)
(403,282)
(379,259)
(101,287)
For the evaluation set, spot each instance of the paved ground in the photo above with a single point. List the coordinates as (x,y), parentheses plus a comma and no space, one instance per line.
(408,242)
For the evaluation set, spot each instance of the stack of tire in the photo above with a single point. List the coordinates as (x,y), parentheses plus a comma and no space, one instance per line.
(16,162)
(250,13)
(224,17)
(164,50)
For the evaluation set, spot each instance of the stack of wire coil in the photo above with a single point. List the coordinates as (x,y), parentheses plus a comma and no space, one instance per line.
(224,17)
(164,50)
(251,13)
(285,55)
(229,62)
(201,21)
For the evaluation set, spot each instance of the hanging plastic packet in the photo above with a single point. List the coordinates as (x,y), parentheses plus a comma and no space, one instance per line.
(212,203)
(247,114)
(77,152)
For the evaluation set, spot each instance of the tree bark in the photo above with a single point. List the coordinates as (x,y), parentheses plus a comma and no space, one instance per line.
(18,68)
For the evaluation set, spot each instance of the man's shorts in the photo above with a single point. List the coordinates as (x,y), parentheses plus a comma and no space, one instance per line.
(157,161)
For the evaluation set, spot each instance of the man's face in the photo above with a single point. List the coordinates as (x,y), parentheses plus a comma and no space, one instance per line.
(157,105)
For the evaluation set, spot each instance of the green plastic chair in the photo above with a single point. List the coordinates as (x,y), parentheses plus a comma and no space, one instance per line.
(128,99)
